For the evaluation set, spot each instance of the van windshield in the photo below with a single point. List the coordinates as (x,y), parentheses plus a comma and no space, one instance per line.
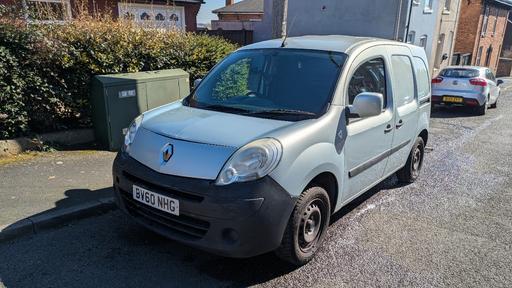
(288,84)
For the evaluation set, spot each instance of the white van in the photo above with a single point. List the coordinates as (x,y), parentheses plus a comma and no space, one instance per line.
(276,138)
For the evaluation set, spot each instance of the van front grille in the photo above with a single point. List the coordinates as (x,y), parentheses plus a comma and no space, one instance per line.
(173,193)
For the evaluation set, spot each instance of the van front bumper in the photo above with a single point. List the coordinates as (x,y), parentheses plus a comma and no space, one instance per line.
(237,220)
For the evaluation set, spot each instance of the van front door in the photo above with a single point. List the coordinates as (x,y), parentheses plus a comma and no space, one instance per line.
(368,139)
(406,108)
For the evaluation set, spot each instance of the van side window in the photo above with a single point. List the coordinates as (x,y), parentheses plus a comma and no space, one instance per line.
(403,80)
(369,77)
(422,78)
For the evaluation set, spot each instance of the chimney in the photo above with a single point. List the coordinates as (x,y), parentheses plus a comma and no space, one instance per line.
(230,2)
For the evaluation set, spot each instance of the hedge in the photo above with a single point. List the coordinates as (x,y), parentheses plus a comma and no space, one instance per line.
(45,69)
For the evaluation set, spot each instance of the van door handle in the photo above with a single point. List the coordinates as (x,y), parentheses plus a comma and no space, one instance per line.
(400,123)
(388,129)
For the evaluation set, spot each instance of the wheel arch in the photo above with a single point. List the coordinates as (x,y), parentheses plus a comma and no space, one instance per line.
(328,181)
(424,135)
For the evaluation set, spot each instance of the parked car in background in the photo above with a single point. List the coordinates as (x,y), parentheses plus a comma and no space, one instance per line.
(276,138)
(470,86)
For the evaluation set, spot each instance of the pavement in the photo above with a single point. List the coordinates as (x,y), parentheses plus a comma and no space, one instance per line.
(45,187)
(452,228)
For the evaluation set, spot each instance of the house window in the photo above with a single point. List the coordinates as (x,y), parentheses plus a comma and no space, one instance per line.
(488,56)
(145,16)
(486,20)
(153,16)
(447,4)
(160,17)
(495,21)
(466,59)
(479,56)
(410,37)
(423,41)
(48,10)
(428,6)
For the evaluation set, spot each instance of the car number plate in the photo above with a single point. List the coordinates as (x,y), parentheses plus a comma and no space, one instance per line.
(452,99)
(156,200)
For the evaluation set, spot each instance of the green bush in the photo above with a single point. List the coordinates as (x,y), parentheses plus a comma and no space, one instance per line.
(45,70)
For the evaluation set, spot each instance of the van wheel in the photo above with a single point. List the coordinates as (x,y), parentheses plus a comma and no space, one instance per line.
(410,172)
(306,228)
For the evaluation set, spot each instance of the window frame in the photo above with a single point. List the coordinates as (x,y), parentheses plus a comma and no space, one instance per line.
(413,73)
(447,6)
(416,77)
(428,6)
(478,58)
(495,21)
(485,21)
(386,80)
(66,9)
(411,37)
(423,38)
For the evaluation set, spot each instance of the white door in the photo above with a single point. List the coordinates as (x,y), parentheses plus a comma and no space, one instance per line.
(406,108)
(368,139)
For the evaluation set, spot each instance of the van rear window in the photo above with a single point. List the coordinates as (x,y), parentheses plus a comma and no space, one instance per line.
(460,73)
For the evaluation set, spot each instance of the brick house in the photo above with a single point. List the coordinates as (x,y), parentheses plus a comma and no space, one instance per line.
(481,32)
(162,14)
(238,16)
(505,62)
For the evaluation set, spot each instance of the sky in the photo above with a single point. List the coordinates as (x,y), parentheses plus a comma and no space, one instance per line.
(205,13)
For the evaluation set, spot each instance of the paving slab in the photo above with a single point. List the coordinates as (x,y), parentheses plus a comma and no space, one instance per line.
(50,183)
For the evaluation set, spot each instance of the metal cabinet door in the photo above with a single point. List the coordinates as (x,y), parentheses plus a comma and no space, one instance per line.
(162,92)
(125,102)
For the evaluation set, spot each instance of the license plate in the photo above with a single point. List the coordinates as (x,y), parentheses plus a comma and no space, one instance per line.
(156,200)
(452,99)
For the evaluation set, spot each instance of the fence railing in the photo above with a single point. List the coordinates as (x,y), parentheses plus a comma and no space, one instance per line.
(240,37)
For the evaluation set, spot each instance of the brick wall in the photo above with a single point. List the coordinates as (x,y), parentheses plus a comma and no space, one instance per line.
(469,19)
(470,36)
(239,17)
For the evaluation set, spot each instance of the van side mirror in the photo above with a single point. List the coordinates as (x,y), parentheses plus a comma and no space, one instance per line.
(367,104)
(499,82)
(196,82)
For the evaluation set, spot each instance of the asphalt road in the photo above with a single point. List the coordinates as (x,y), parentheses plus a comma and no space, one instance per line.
(452,228)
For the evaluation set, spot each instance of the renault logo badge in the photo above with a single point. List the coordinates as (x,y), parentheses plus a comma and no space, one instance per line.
(167,152)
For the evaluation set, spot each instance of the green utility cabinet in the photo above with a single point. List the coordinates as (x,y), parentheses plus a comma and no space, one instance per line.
(117,99)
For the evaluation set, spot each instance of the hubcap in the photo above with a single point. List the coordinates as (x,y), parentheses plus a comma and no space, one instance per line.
(311,225)
(416,161)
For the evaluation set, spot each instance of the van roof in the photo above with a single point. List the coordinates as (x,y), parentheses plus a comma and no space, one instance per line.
(337,43)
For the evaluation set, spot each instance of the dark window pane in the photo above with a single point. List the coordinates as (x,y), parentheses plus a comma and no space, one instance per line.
(290,79)
(369,77)
(460,73)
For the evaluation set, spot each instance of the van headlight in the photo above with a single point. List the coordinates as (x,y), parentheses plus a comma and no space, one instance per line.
(131,132)
(253,161)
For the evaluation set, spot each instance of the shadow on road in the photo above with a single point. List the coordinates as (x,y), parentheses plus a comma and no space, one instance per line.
(113,251)
(73,198)
(452,112)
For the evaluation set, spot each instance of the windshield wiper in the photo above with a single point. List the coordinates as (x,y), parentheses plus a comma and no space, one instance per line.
(282,112)
(222,108)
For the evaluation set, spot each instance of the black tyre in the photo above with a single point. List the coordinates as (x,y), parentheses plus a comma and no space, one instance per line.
(410,172)
(306,228)
(495,104)
(481,110)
